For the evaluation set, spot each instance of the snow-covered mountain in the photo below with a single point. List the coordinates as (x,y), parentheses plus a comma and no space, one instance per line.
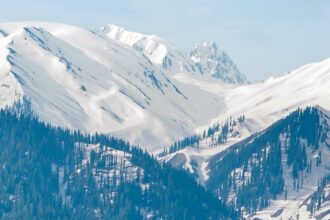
(215,62)
(142,89)
(264,103)
(107,85)
(79,79)
(158,51)
(261,105)
(281,172)
(206,58)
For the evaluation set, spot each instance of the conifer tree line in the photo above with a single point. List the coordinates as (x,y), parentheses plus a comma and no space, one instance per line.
(218,134)
(44,174)
(50,173)
(319,196)
(252,170)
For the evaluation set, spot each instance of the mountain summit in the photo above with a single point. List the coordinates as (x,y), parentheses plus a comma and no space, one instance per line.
(206,58)
(215,62)
(157,50)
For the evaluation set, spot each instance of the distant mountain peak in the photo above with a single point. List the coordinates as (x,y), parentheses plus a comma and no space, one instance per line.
(214,61)
(209,44)
(157,50)
(119,33)
(149,45)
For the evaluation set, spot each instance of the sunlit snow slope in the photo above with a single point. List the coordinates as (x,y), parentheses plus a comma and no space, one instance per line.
(265,103)
(79,79)
(160,52)
(261,104)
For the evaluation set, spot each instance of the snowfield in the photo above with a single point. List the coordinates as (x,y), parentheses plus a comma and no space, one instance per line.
(266,102)
(80,79)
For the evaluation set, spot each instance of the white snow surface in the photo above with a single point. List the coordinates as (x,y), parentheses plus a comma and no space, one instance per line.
(99,82)
(79,79)
(158,51)
(265,103)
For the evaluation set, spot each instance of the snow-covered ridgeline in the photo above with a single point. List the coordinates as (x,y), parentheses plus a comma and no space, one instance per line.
(100,86)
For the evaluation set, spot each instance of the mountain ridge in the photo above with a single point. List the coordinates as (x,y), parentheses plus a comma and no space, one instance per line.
(155,48)
(103,86)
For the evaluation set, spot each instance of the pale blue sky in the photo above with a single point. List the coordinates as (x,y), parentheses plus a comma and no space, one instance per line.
(264,37)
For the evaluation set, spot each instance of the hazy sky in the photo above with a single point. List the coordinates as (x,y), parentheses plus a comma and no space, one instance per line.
(264,37)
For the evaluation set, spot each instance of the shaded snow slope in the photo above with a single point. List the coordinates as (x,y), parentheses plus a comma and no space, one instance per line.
(81,80)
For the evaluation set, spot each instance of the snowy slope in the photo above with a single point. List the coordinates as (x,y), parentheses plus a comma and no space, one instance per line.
(266,102)
(155,48)
(215,62)
(261,104)
(78,79)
